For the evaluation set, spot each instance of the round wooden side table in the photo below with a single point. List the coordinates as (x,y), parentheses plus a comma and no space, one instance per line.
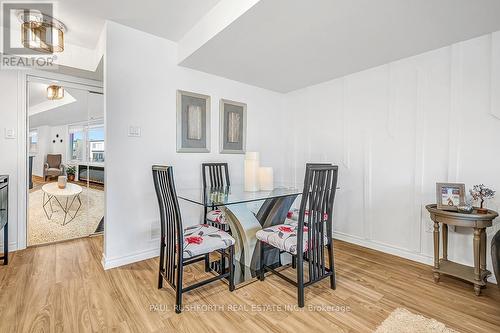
(479,222)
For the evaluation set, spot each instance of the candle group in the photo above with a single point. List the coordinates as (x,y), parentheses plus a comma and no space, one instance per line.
(257,177)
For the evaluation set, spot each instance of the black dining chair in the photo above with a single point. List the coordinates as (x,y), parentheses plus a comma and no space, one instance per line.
(180,246)
(307,239)
(293,215)
(215,176)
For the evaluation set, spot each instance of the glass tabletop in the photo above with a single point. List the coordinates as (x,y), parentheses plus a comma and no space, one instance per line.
(232,195)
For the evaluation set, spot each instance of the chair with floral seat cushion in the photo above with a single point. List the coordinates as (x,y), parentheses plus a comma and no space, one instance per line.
(203,238)
(284,237)
(306,240)
(215,176)
(196,241)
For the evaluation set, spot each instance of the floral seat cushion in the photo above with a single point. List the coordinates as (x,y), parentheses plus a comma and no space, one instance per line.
(216,216)
(203,238)
(284,237)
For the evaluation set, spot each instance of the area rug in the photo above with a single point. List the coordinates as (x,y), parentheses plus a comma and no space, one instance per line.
(42,230)
(403,321)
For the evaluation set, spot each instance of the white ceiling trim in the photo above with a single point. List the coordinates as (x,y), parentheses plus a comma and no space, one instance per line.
(216,20)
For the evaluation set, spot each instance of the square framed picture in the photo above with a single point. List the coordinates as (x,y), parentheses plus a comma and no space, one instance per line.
(193,122)
(233,127)
(450,195)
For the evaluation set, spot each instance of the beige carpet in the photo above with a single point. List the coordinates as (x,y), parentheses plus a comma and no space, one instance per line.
(403,321)
(41,230)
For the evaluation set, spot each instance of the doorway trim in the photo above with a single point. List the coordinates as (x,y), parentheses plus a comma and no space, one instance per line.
(24,77)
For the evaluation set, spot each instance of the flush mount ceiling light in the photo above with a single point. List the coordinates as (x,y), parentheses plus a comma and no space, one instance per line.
(55,92)
(41,32)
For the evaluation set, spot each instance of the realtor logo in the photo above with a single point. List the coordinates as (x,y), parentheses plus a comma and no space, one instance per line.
(28,36)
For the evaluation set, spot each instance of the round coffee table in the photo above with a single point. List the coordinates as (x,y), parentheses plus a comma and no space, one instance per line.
(51,192)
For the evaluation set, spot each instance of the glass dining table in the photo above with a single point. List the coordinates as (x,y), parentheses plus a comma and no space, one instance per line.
(246,213)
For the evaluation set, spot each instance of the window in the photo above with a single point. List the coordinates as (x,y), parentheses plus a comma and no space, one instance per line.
(87,143)
(96,143)
(33,137)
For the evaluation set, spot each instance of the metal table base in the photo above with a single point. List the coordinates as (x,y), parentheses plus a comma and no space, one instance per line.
(66,208)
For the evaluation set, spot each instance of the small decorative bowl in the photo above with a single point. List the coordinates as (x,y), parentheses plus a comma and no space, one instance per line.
(466,209)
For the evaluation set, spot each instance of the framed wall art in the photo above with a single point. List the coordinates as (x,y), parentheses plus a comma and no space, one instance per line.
(233,123)
(450,195)
(193,122)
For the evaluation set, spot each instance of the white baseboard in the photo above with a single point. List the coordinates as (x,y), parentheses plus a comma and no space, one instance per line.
(109,263)
(12,246)
(403,253)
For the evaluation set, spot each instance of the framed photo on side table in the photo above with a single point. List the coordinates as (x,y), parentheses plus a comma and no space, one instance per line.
(193,122)
(450,195)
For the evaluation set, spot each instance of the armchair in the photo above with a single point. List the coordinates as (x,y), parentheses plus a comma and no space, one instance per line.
(53,167)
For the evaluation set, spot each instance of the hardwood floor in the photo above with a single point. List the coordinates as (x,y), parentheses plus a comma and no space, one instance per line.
(63,288)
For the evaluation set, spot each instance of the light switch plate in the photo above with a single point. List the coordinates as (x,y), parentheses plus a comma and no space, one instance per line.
(134,131)
(10,133)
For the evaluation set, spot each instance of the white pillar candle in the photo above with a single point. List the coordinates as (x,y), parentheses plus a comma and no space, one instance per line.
(252,171)
(266,179)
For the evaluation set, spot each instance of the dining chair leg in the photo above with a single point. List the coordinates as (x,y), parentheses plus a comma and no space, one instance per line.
(160,281)
(222,263)
(300,280)
(160,277)
(331,259)
(231,268)
(261,262)
(178,288)
(294,262)
(207,262)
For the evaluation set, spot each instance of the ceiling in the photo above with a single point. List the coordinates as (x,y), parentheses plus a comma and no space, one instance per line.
(77,106)
(169,19)
(285,45)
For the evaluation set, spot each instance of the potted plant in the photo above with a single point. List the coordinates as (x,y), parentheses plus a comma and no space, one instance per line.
(481,193)
(71,171)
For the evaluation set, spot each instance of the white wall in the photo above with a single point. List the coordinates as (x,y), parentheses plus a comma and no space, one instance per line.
(59,147)
(46,134)
(140,90)
(9,147)
(395,131)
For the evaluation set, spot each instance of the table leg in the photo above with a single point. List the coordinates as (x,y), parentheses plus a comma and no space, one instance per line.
(6,244)
(477,261)
(483,254)
(45,203)
(244,225)
(65,211)
(445,241)
(436,251)
(483,250)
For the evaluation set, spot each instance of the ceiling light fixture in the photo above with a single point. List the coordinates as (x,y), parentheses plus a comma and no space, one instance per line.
(55,92)
(41,32)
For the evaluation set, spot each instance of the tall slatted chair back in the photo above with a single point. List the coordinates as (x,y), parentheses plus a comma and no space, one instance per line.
(170,222)
(317,197)
(215,175)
